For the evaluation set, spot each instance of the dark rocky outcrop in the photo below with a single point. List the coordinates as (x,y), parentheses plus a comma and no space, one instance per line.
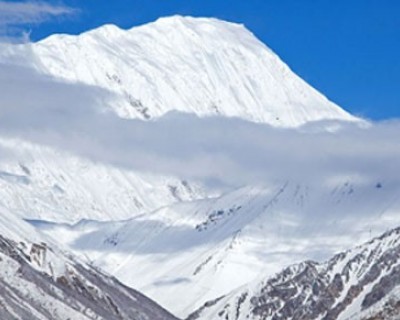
(32,290)
(368,274)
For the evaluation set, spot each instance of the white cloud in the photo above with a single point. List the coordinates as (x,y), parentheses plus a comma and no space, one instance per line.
(72,117)
(16,13)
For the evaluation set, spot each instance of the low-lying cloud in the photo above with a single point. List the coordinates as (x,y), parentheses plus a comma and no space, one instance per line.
(234,152)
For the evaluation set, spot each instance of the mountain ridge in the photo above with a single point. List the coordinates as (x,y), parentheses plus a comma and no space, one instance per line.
(198,65)
(360,283)
(41,282)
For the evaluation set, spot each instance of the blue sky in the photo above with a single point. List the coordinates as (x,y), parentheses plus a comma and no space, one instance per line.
(349,50)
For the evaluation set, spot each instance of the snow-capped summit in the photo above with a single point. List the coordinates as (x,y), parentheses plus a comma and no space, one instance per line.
(199,65)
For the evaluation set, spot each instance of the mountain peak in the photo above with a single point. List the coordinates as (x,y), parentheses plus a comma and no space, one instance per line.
(174,23)
(108,28)
(203,66)
(191,21)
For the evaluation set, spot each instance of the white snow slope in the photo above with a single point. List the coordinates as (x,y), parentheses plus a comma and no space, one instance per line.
(42,183)
(197,65)
(185,254)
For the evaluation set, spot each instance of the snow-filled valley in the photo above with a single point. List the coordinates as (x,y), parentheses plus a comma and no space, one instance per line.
(203,249)
(185,159)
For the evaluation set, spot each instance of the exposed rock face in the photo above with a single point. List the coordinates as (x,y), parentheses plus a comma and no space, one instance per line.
(39,283)
(363,283)
(389,311)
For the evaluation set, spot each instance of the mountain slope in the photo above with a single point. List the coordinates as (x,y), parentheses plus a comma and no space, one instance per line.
(47,184)
(362,283)
(198,65)
(203,249)
(39,282)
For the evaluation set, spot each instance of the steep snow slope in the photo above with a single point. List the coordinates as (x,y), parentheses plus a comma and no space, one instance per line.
(200,250)
(362,283)
(42,183)
(199,65)
(39,282)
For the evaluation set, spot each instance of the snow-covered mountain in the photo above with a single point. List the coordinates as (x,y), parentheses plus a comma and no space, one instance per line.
(362,283)
(173,239)
(47,184)
(198,65)
(201,250)
(40,282)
